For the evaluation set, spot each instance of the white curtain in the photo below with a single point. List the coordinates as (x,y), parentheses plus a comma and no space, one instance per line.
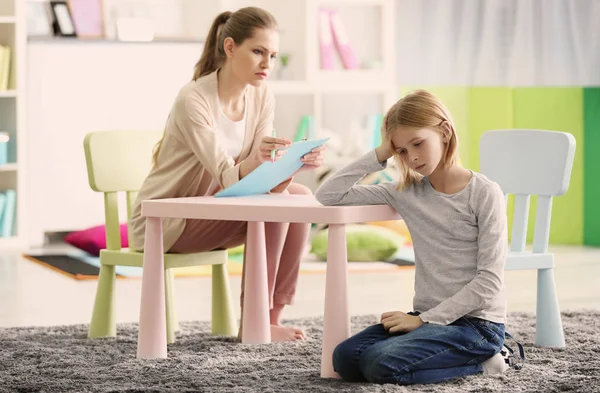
(498,42)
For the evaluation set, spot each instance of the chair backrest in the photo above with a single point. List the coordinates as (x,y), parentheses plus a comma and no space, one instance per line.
(118,161)
(525,163)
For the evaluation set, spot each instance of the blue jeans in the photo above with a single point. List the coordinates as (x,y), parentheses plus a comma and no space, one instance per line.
(429,354)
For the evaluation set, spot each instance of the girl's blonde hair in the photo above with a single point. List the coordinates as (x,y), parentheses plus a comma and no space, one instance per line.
(420,109)
(239,25)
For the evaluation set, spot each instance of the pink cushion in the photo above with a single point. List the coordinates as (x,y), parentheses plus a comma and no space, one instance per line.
(93,239)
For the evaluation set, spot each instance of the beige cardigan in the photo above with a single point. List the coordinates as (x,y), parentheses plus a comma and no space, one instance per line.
(190,157)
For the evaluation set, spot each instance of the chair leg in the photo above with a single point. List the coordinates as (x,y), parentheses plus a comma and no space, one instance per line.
(549,330)
(103,322)
(223,316)
(172,322)
(174,315)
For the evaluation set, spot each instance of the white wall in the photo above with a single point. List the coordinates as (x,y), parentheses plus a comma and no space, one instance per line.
(75,88)
(498,42)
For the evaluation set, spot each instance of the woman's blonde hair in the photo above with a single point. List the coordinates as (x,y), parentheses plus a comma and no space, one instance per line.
(239,25)
(420,109)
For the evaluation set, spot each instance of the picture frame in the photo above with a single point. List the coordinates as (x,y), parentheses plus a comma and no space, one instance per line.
(39,20)
(88,17)
(63,21)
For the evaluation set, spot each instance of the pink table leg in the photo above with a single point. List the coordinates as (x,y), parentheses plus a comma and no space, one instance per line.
(256,328)
(336,324)
(152,334)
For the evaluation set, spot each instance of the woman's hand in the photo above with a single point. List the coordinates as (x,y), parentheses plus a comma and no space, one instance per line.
(314,159)
(263,154)
(399,322)
(268,144)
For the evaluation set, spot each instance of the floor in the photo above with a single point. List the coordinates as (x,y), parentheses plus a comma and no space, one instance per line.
(34,295)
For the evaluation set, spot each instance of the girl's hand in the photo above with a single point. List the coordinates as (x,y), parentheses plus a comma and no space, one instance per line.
(268,144)
(399,322)
(314,159)
(385,150)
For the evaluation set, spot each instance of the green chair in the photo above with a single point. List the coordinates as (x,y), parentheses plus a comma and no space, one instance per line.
(119,161)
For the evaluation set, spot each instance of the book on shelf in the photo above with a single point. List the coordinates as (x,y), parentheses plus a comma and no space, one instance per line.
(342,44)
(8,202)
(306,128)
(374,123)
(325,40)
(5,55)
(333,37)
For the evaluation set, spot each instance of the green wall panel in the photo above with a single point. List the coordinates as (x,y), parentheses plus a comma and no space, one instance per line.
(591,167)
(559,109)
(489,108)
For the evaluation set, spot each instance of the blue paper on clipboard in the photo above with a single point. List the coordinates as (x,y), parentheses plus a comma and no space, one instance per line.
(270,174)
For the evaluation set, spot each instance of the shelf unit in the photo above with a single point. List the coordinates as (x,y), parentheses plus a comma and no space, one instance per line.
(12,113)
(59,114)
(338,98)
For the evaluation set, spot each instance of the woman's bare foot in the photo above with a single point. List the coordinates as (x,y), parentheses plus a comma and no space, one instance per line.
(282,333)
(286,333)
(279,333)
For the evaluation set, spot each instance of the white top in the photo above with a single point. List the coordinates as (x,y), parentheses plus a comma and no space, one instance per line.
(460,239)
(231,133)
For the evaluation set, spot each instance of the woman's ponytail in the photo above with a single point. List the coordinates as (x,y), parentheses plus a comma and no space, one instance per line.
(212,55)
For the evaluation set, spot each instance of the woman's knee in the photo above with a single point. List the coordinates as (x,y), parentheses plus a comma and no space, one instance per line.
(298,189)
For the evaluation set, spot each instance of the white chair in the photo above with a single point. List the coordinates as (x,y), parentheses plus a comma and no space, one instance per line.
(525,163)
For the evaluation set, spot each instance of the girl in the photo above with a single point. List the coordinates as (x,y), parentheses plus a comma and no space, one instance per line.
(457,220)
(218,131)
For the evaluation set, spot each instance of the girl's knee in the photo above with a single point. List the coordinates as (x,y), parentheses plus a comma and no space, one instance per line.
(298,189)
(341,354)
(378,367)
(345,362)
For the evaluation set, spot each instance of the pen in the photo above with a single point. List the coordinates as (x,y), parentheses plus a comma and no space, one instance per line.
(273,151)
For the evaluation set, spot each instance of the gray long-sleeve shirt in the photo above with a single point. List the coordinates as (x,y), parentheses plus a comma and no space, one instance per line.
(460,240)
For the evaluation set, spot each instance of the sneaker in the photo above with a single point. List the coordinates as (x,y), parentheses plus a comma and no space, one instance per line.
(504,359)
(495,365)
(510,358)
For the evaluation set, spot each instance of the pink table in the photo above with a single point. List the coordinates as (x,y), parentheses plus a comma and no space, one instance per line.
(256,210)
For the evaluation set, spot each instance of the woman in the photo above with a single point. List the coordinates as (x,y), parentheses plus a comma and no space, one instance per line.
(218,131)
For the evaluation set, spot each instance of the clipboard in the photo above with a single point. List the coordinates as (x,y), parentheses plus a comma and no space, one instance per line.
(270,174)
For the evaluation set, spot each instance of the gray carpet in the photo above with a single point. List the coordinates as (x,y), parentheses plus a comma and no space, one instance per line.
(62,359)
